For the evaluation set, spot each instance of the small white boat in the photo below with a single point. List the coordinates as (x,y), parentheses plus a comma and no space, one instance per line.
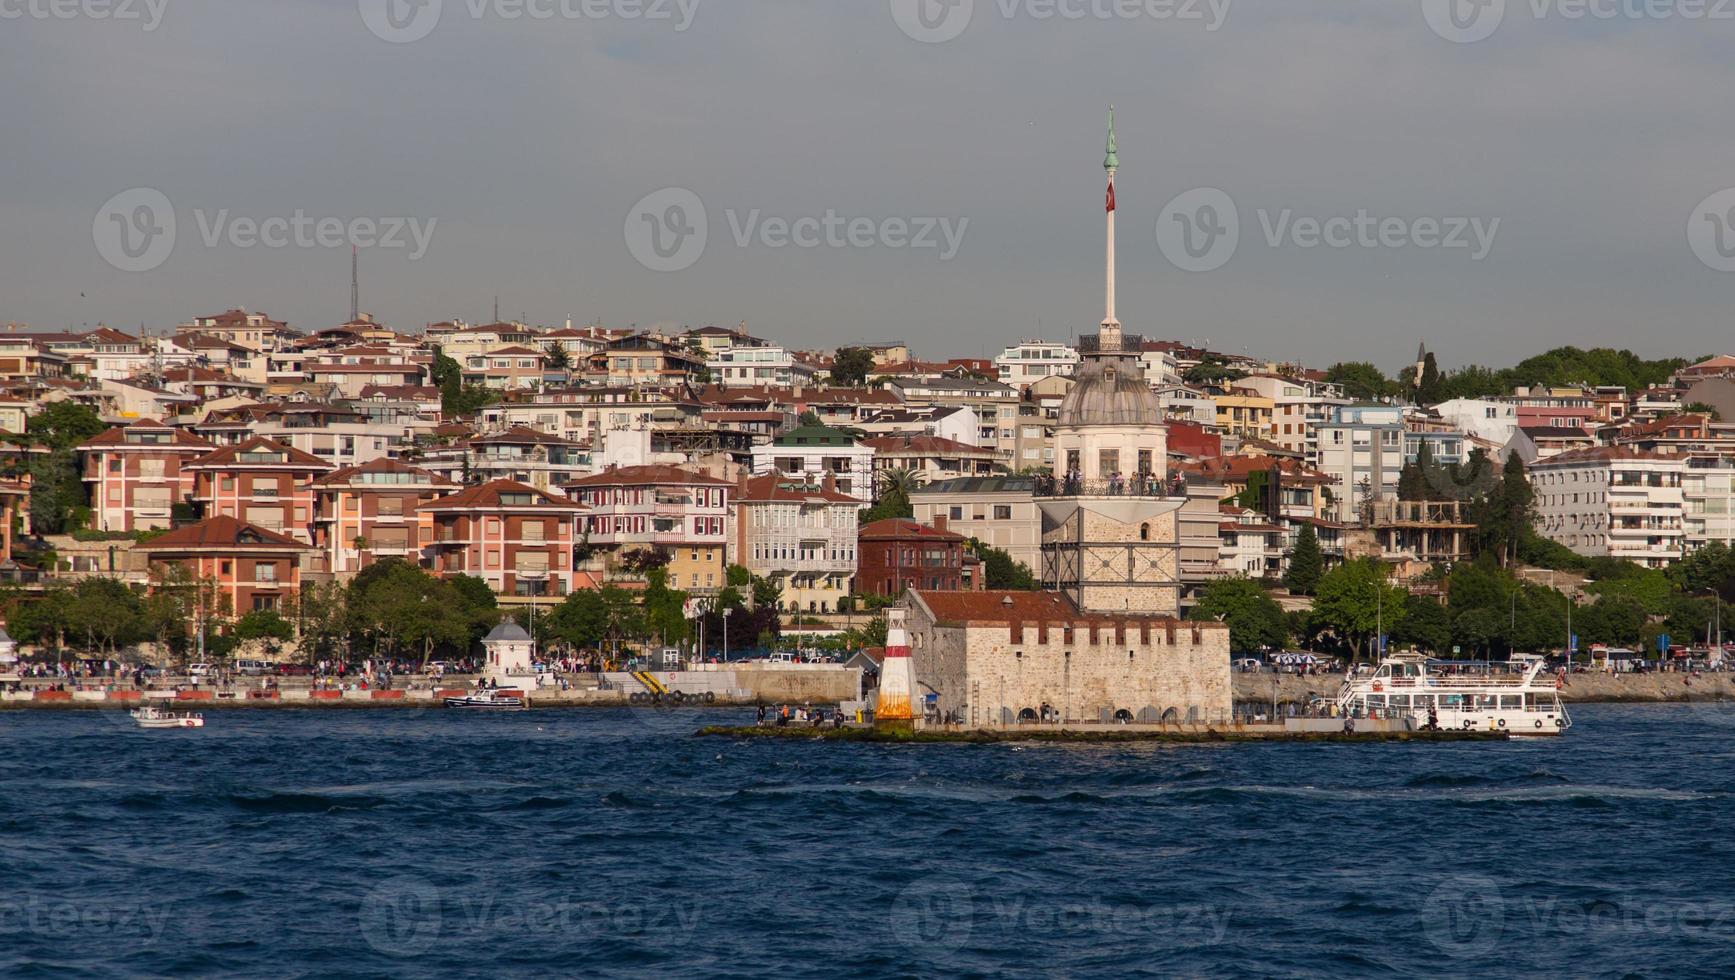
(151,716)
(1519,702)
(487,699)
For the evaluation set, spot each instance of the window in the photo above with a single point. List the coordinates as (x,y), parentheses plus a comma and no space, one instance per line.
(151,469)
(391,507)
(265,571)
(955,513)
(1002,512)
(532,531)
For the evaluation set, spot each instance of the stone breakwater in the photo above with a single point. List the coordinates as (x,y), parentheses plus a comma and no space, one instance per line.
(1579,689)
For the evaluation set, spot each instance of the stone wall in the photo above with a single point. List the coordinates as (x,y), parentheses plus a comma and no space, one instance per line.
(991,673)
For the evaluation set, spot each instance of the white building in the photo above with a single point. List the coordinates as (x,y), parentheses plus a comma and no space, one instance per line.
(1032,360)
(802,538)
(1708,498)
(813,453)
(1612,501)
(1362,448)
(746,367)
(1484,418)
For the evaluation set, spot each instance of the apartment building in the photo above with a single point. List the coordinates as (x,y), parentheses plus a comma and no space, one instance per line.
(365,513)
(814,452)
(1298,407)
(252,568)
(999,511)
(520,454)
(798,536)
(665,508)
(136,474)
(516,538)
(934,457)
(515,368)
(262,483)
(755,366)
(1361,451)
(897,554)
(1613,501)
(1029,361)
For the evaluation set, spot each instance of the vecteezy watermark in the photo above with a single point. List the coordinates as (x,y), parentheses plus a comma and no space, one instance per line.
(136,230)
(148,13)
(667,231)
(409,916)
(1711,230)
(938,21)
(1469,21)
(1200,230)
(73,921)
(404,21)
(1469,917)
(945,915)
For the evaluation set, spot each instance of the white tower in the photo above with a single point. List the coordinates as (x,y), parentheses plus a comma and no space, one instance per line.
(897,676)
(1110,529)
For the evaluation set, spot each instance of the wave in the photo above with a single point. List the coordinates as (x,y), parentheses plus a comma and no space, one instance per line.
(302,803)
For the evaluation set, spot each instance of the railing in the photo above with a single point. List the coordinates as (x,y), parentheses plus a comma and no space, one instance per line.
(1133,486)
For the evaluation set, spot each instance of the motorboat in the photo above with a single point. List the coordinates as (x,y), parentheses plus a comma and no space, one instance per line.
(488,699)
(151,716)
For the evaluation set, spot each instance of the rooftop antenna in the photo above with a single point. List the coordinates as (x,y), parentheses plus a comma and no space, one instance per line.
(496,307)
(354,284)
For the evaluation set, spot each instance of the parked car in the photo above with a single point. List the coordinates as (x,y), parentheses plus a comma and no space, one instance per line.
(1249,665)
(293,670)
(197,671)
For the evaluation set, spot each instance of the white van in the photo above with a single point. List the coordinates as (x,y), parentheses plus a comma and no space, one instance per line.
(255,668)
(197,671)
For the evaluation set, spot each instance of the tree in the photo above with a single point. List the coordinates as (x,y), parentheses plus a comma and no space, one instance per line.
(1360,379)
(850,367)
(808,418)
(105,614)
(64,424)
(895,486)
(643,561)
(400,606)
(1255,620)
(1306,563)
(1212,370)
(1503,516)
(1478,628)
(321,614)
(1354,601)
(581,620)
(1425,625)
(1428,388)
(664,608)
(1000,570)
(557,357)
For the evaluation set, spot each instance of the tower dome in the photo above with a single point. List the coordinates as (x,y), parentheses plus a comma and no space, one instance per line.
(1110,394)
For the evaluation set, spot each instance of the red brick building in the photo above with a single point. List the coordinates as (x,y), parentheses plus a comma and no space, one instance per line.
(515,537)
(898,554)
(364,513)
(261,482)
(137,473)
(253,568)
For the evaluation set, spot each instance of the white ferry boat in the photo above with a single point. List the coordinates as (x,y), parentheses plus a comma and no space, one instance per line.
(1519,702)
(151,716)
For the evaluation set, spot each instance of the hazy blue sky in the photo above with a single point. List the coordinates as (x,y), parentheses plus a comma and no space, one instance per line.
(529,143)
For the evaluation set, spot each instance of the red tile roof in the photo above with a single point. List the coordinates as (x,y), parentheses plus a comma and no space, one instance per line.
(774,487)
(924,446)
(116,436)
(646,476)
(487,497)
(294,458)
(383,465)
(222,533)
(902,528)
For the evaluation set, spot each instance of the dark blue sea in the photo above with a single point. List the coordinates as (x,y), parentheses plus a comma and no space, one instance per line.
(612,843)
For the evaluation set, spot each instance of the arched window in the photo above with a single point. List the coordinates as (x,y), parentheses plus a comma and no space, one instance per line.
(1144,532)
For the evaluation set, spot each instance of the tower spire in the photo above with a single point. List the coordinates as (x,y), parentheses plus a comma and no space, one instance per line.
(1108,337)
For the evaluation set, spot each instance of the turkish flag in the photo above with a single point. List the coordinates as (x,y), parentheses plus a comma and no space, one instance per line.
(1111,195)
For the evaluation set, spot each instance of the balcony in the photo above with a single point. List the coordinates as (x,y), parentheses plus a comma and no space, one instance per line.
(1143,487)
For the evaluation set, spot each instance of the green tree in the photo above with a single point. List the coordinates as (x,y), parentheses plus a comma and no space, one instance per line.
(581,620)
(850,367)
(63,425)
(1001,570)
(1478,628)
(1425,625)
(104,614)
(1360,379)
(1306,563)
(1354,600)
(321,614)
(1255,620)
(895,486)
(665,609)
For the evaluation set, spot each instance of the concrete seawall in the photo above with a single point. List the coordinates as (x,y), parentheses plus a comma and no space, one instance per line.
(1579,689)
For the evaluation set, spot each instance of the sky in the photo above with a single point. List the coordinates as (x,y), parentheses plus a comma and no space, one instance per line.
(1300,179)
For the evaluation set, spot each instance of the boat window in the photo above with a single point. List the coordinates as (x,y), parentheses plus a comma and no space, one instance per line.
(1376,700)
(1423,701)
(1511,700)
(1400,701)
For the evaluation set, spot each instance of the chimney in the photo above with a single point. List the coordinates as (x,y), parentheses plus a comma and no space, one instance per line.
(940,523)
